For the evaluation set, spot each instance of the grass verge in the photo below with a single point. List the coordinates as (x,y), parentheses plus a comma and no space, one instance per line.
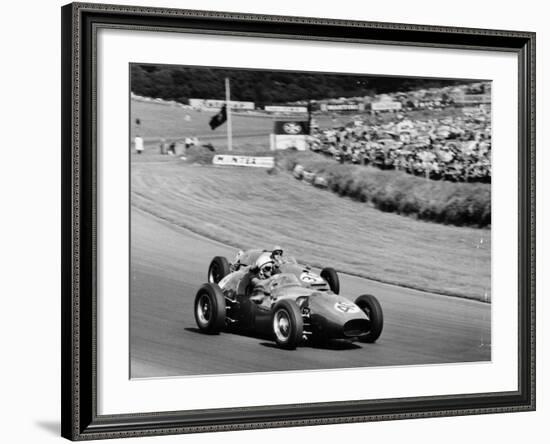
(248,208)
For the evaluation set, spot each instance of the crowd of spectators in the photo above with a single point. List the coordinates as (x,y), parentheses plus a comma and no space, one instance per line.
(455,148)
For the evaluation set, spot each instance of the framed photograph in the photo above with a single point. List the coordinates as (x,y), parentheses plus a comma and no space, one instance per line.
(280,221)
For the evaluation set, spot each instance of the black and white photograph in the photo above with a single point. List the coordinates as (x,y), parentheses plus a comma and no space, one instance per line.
(275,222)
(298,221)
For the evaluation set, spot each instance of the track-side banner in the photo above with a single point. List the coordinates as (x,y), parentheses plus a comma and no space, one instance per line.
(214,104)
(246,161)
(343,107)
(285,109)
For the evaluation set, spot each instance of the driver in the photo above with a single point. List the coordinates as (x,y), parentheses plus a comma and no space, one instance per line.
(264,269)
(277,256)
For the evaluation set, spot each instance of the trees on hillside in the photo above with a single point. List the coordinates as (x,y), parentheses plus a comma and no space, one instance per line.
(262,87)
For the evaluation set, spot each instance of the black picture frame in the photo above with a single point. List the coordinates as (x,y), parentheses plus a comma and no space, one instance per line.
(80,420)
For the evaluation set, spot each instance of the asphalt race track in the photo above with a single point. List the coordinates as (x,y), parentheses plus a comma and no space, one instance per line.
(169,263)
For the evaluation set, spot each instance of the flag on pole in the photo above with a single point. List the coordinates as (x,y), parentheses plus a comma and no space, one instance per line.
(219,118)
(228,114)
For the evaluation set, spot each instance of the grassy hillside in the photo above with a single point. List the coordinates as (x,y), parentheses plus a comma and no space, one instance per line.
(175,123)
(459,204)
(249,208)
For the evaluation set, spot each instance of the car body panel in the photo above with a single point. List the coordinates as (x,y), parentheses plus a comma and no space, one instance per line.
(325,313)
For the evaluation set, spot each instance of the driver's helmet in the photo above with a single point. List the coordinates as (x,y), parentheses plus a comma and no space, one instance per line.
(277,254)
(265,266)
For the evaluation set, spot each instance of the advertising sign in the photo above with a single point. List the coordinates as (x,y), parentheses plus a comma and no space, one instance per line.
(343,107)
(285,109)
(246,161)
(290,134)
(216,104)
(291,127)
(386,105)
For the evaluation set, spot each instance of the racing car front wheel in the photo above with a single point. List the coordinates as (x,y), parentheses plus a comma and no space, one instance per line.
(210,309)
(371,307)
(331,276)
(218,269)
(288,326)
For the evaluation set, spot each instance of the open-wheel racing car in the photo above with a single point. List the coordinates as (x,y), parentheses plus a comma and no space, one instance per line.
(298,304)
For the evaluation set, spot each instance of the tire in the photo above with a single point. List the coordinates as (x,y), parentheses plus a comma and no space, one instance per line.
(210,309)
(287,324)
(331,276)
(371,307)
(218,269)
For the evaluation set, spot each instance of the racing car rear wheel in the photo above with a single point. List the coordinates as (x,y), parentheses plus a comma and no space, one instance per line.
(210,309)
(371,307)
(288,326)
(331,276)
(218,269)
